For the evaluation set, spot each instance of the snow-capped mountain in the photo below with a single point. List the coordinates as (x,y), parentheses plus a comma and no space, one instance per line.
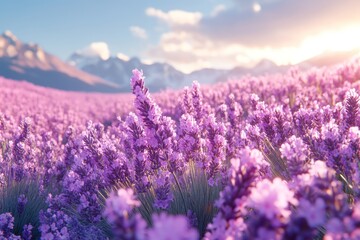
(21,61)
(160,76)
(117,70)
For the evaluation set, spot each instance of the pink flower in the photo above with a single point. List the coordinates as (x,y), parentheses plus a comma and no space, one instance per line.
(120,203)
(252,157)
(167,227)
(318,169)
(272,198)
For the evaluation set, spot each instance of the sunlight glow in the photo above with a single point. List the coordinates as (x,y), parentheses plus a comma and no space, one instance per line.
(341,40)
(189,51)
(256,7)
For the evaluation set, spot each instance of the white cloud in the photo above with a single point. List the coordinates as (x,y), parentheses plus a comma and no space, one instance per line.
(123,57)
(138,32)
(281,22)
(218,9)
(175,17)
(189,51)
(286,32)
(96,49)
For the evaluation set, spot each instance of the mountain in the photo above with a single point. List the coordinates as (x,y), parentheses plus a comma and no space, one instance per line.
(330,58)
(21,61)
(119,71)
(205,76)
(161,76)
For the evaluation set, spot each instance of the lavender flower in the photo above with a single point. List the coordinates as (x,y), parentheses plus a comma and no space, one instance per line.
(163,192)
(314,213)
(27,232)
(6,225)
(136,136)
(352,109)
(187,101)
(22,200)
(118,213)
(147,109)
(54,222)
(216,147)
(162,146)
(272,198)
(190,141)
(19,150)
(229,222)
(167,227)
(197,101)
(297,155)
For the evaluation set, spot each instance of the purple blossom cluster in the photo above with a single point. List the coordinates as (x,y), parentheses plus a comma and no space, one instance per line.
(280,152)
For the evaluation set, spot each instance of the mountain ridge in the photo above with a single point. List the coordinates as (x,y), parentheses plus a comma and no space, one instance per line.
(22,61)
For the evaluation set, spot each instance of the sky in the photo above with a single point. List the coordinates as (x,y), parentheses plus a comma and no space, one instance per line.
(189,34)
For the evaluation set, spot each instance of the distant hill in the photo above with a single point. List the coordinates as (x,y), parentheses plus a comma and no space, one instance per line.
(161,76)
(116,70)
(29,62)
(330,58)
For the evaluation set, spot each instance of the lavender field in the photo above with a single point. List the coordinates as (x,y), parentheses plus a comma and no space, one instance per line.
(269,157)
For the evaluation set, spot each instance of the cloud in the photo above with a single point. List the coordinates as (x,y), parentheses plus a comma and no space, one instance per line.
(217,10)
(284,31)
(95,49)
(189,51)
(278,23)
(138,32)
(123,57)
(175,17)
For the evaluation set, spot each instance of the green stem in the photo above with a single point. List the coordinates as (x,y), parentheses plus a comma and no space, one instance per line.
(178,185)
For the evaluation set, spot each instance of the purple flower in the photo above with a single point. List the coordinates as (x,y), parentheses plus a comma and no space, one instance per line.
(272,198)
(6,224)
(352,108)
(216,147)
(137,146)
(54,222)
(120,204)
(187,101)
(314,213)
(197,101)
(118,210)
(296,152)
(27,232)
(163,192)
(189,138)
(22,200)
(244,173)
(148,111)
(167,227)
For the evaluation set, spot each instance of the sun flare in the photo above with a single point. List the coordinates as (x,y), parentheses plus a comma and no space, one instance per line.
(341,40)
